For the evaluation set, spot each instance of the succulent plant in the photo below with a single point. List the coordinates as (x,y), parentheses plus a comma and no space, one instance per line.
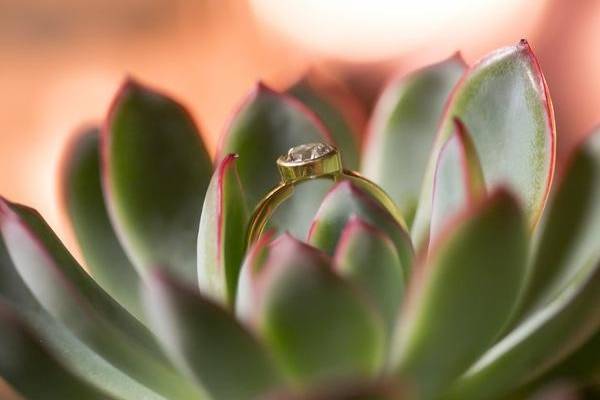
(485,292)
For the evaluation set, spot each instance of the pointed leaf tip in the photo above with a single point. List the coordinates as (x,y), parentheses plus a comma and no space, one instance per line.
(266,126)
(504,101)
(303,307)
(221,239)
(155,173)
(450,291)
(458,182)
(343,201)
(403,127)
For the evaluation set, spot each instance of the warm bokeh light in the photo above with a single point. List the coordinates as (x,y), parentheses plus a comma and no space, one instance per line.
(371,30)
(62,61)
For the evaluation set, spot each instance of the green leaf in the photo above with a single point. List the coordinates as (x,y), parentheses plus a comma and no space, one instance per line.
(61,343)
(582,366)
(267,125)
(317,325)
(84,202)
(367,257)
(207,341)
(69,294)
(461,296)
(504,101)
(221,239)
(458,182)
(538,343)
(569,231)
(29,368)
(156,173)
(346,200)
(350,391)
(332,118)
(402,130)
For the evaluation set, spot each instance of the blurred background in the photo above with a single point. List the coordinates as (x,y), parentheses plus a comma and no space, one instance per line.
(61,62)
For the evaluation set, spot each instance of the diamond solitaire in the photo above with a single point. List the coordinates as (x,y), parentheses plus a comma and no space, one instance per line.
(309,161)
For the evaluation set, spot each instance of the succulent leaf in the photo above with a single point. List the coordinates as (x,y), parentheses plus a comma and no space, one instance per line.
(504,101)
(570,230)
(78,357)
(317,326)
(247,297)
(156,173)
(402,130)
(84,203)
(205,340)
(462,294)
(539,342)
(267,125)
(221,238)
(70,295)
(458,182)
(342,202)
(366,256)
(31,370)
(332,118)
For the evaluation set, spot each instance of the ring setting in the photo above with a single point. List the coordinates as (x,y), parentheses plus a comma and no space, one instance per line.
(306,162)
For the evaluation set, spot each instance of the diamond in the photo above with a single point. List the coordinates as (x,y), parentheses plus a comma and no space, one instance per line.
(307,152)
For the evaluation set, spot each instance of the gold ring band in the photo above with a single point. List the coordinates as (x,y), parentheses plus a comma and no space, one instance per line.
(301,164)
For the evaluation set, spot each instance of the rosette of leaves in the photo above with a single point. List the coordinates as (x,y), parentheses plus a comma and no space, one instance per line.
(490,290)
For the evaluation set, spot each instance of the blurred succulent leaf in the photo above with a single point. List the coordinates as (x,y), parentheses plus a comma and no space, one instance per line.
(458,181)
(72,297)
(247,296)
(333,119)
(403,128)
(462,295)
(31,369)
(349,391)
(504,101)
(63,345)
(345,200)
(207,341)
(221,238)
(539,342)
(582,367)
(156,173)
(84,203)
(570,231)
(317,326)
(266,126)
(366,256)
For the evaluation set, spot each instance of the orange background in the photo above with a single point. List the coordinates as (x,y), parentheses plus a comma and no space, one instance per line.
(61,62)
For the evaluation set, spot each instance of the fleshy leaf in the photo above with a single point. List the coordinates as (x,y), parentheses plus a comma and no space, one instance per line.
(156,171)
(221,238)
(246,299)
(345,200)
(317,326)
(403,128)
(205,340)
(332,118)
(367,256)
(63,345)
(538,343)
(504,101)
(84,203)
(569,231)
(30,369)
(71,296)
(267,125)
(458,182)
(461,296)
